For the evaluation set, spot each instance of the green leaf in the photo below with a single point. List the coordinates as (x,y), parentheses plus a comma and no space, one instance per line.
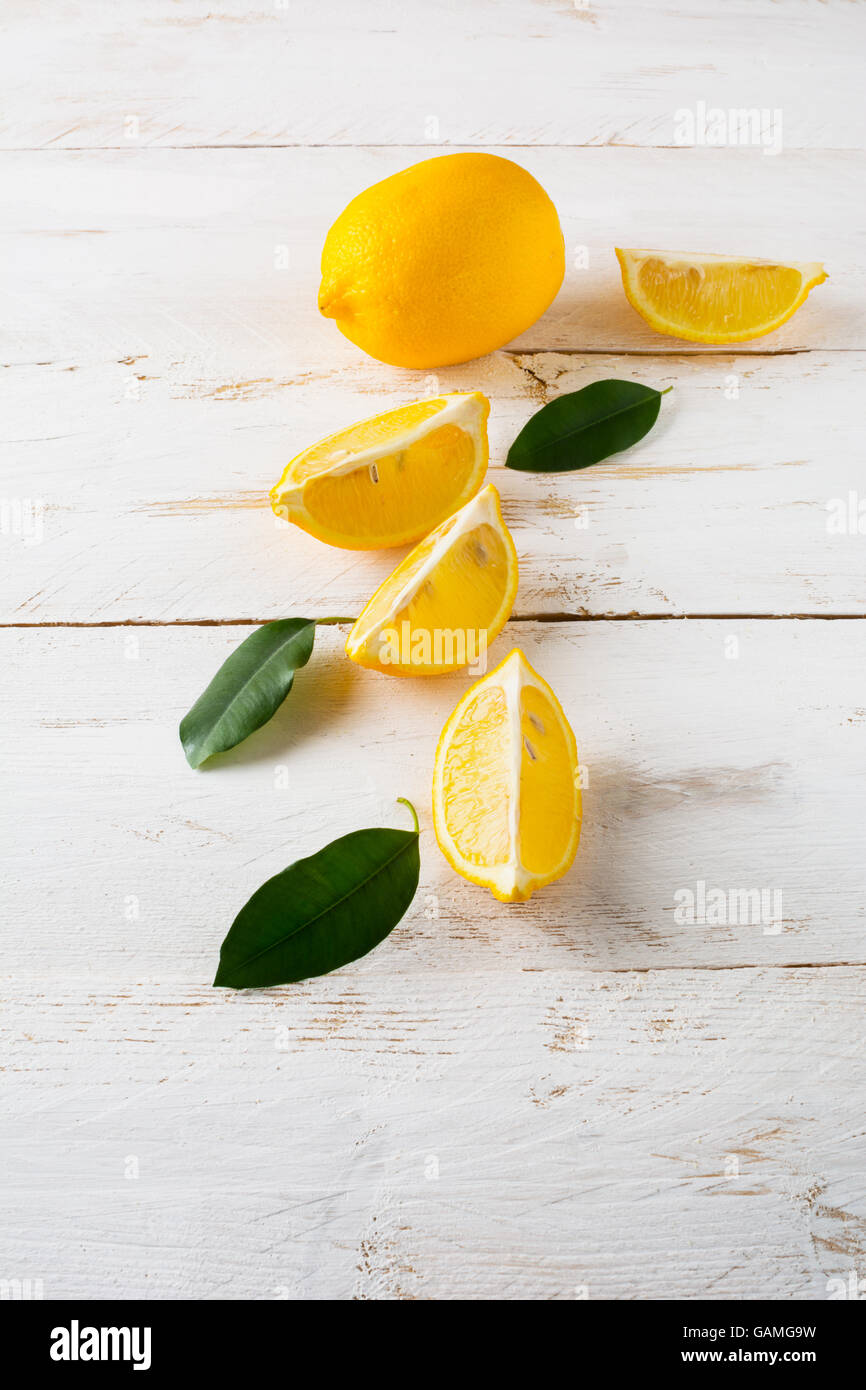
(247,689)
(324,911)
(585,426)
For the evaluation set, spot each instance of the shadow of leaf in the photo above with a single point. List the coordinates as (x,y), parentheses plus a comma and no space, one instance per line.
(322,692)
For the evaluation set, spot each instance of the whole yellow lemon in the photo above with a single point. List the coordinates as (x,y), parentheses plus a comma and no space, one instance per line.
(443,262)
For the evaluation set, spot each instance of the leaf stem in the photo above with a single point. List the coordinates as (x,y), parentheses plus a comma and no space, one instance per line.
(667,388)
(330,622)
(404,802)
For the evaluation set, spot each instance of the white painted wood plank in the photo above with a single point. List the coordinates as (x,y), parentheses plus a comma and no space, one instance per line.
(151,478)
(723,753)
(113,254)
(505,1134)
(482,1106)
(265,72)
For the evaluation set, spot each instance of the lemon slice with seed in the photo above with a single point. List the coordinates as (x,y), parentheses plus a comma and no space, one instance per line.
(389,480)
(714,299)
(506,794)
(447,601)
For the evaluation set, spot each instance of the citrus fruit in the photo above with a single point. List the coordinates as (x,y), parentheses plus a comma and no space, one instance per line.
(506,799)
(447,601)
(442,262)
(389,480)
(714,299)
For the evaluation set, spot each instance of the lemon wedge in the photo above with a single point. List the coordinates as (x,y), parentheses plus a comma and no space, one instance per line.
(446,602)
(714,299)
(389,480)
(506,794)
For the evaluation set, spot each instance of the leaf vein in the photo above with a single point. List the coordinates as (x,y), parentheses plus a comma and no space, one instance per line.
(249,960)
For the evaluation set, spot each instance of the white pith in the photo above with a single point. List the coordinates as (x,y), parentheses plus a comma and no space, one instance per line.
(461,408)
(695,259)
(478,511)
(515,677)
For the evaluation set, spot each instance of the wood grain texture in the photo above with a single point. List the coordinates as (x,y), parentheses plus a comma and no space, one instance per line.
(728,753)
(152,482)
(487,1134)
(196,254)
(515,72)
(585,1096)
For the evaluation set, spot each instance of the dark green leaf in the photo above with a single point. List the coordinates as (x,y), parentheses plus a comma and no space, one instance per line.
(247,689)
(322,912)
(585,426)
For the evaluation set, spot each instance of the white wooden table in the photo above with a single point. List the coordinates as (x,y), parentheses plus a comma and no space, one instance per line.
(584,1096)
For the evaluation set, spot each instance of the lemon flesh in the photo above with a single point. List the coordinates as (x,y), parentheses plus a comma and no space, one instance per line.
(506,794)
(447,601)
(389,480)
(714,299)
(443,262)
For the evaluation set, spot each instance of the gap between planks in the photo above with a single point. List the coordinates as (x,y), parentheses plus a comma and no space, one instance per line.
(681,348)
(93,984)
(51,148)
(515,618)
